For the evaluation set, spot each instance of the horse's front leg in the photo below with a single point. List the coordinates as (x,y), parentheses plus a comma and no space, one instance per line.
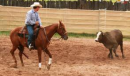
(39,57)
(50,58)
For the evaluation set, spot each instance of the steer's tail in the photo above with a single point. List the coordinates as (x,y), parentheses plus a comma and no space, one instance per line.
(121,47)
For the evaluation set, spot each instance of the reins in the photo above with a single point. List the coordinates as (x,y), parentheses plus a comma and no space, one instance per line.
(46,35)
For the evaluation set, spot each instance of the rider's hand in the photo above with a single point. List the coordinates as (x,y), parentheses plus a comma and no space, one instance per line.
(37,23)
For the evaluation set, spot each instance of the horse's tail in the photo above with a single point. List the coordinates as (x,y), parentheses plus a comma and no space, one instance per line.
(14,33)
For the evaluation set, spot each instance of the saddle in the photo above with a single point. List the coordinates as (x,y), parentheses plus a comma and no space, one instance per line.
(23,33)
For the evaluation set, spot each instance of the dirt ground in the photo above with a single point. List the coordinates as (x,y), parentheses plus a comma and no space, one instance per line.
(74,57)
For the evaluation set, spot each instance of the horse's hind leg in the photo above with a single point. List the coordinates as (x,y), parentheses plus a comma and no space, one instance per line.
(21,49)
(12,53)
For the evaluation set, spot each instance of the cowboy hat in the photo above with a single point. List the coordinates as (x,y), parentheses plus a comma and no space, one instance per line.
(36,4)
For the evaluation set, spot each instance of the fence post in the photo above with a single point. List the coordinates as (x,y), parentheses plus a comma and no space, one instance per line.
(13,2)
(10,2)
(129,5)
(5,2)
(1,2)
(44,3)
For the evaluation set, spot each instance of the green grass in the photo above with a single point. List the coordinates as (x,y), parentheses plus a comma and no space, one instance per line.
(4,33)
(78,35)
(75,35)
(86,35)
(70,35)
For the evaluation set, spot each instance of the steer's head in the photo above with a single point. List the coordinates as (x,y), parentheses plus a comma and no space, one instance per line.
(99,36)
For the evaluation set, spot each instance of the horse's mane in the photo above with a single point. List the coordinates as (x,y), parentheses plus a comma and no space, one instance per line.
(48,26)
(51,25)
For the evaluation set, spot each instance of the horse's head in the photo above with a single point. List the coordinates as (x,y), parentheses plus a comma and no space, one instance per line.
(62,31)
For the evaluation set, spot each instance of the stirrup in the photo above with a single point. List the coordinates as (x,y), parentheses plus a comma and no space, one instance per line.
(30,47)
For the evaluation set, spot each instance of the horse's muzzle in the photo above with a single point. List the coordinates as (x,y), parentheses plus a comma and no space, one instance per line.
(65,37)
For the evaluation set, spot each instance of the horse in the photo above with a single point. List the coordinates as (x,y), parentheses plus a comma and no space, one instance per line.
(41,42)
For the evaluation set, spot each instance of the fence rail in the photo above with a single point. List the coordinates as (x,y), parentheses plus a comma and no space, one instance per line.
(77,21)
(80,4)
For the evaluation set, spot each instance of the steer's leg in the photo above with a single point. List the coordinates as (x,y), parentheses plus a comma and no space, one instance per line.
(121,47)
(50,58)
(114,50)
(111,55)
(39,57)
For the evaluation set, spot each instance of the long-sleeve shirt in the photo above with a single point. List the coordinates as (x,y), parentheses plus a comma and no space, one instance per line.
(32,17)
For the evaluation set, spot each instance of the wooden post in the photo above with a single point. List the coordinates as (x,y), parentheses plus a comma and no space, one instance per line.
(44,3)
(0,2)
(25,3)
(89,4)
(5,1)
(10,2)
(93,5)
(129,5)
(14,4)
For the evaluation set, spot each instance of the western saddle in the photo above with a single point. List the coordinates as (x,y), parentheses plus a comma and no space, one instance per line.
(23,33)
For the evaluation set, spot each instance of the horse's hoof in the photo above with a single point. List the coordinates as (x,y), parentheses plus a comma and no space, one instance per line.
(109,56)
(112,57)
(116,55)
(22,65)
(48,66)
(123,56)
(14,66)
(39,68)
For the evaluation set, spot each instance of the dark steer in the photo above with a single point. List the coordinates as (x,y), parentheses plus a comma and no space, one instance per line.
(111,40)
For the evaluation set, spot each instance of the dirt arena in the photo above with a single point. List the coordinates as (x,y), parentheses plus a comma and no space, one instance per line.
(74,57)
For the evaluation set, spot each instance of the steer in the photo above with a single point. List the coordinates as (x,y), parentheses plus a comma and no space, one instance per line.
(111,40)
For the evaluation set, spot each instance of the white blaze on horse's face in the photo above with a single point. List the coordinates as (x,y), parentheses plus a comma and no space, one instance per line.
(98,35)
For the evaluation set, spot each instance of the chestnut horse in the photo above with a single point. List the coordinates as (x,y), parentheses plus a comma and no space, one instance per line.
(41,42)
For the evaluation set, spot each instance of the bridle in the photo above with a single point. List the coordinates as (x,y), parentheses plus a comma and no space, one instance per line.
(63,30)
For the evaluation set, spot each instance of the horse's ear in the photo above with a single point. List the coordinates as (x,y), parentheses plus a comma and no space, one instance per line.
(60,21)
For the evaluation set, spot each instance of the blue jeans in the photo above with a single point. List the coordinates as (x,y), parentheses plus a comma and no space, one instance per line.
(30,32)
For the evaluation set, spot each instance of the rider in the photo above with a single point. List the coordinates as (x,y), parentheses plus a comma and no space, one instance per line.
(32,19)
